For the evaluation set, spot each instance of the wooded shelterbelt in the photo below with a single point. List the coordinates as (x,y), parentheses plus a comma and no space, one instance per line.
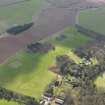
(16,97)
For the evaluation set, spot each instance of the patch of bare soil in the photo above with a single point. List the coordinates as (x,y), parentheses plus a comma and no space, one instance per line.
(55,16)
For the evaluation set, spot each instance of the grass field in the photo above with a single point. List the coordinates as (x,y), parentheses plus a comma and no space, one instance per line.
(28,73)
(72,39)
(93,19)
(13,12)
(4,102)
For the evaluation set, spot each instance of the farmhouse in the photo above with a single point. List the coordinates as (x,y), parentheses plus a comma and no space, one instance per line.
(59,101)
(46,99)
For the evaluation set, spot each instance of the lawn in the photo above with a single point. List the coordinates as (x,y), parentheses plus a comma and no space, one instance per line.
(28,73)
(17,12)
(93,19)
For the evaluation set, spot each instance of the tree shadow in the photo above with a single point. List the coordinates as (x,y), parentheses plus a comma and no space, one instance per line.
(19,66)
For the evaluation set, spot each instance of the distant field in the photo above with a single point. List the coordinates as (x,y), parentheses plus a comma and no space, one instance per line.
(93,19)
(28,73)
(17,12)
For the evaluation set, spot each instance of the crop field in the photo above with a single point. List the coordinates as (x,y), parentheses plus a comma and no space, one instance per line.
(17,12)
(93,20)
(28,74)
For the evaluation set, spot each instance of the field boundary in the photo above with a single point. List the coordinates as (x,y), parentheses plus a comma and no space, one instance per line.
(90,33)
(13,3)
(17,97)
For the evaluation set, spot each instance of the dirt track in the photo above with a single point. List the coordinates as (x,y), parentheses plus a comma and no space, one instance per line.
(57,15)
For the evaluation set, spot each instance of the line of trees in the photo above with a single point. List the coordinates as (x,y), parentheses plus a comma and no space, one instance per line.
(20,98)
(18,29)
(40,47)
(90,33)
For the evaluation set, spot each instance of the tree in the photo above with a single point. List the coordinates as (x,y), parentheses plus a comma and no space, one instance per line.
(64,63)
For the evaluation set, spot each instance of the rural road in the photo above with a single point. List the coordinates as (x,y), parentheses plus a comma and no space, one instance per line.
(55,16)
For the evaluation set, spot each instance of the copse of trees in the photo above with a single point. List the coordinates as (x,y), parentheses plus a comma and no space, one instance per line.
(76,98)
(64,62)
(18,29)
(93,49)
(87,91)
(82,81)
(40,47)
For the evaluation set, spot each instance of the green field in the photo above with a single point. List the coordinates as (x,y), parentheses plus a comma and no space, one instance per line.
(4,102)
(93,20)
(18,13)
(28,73)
